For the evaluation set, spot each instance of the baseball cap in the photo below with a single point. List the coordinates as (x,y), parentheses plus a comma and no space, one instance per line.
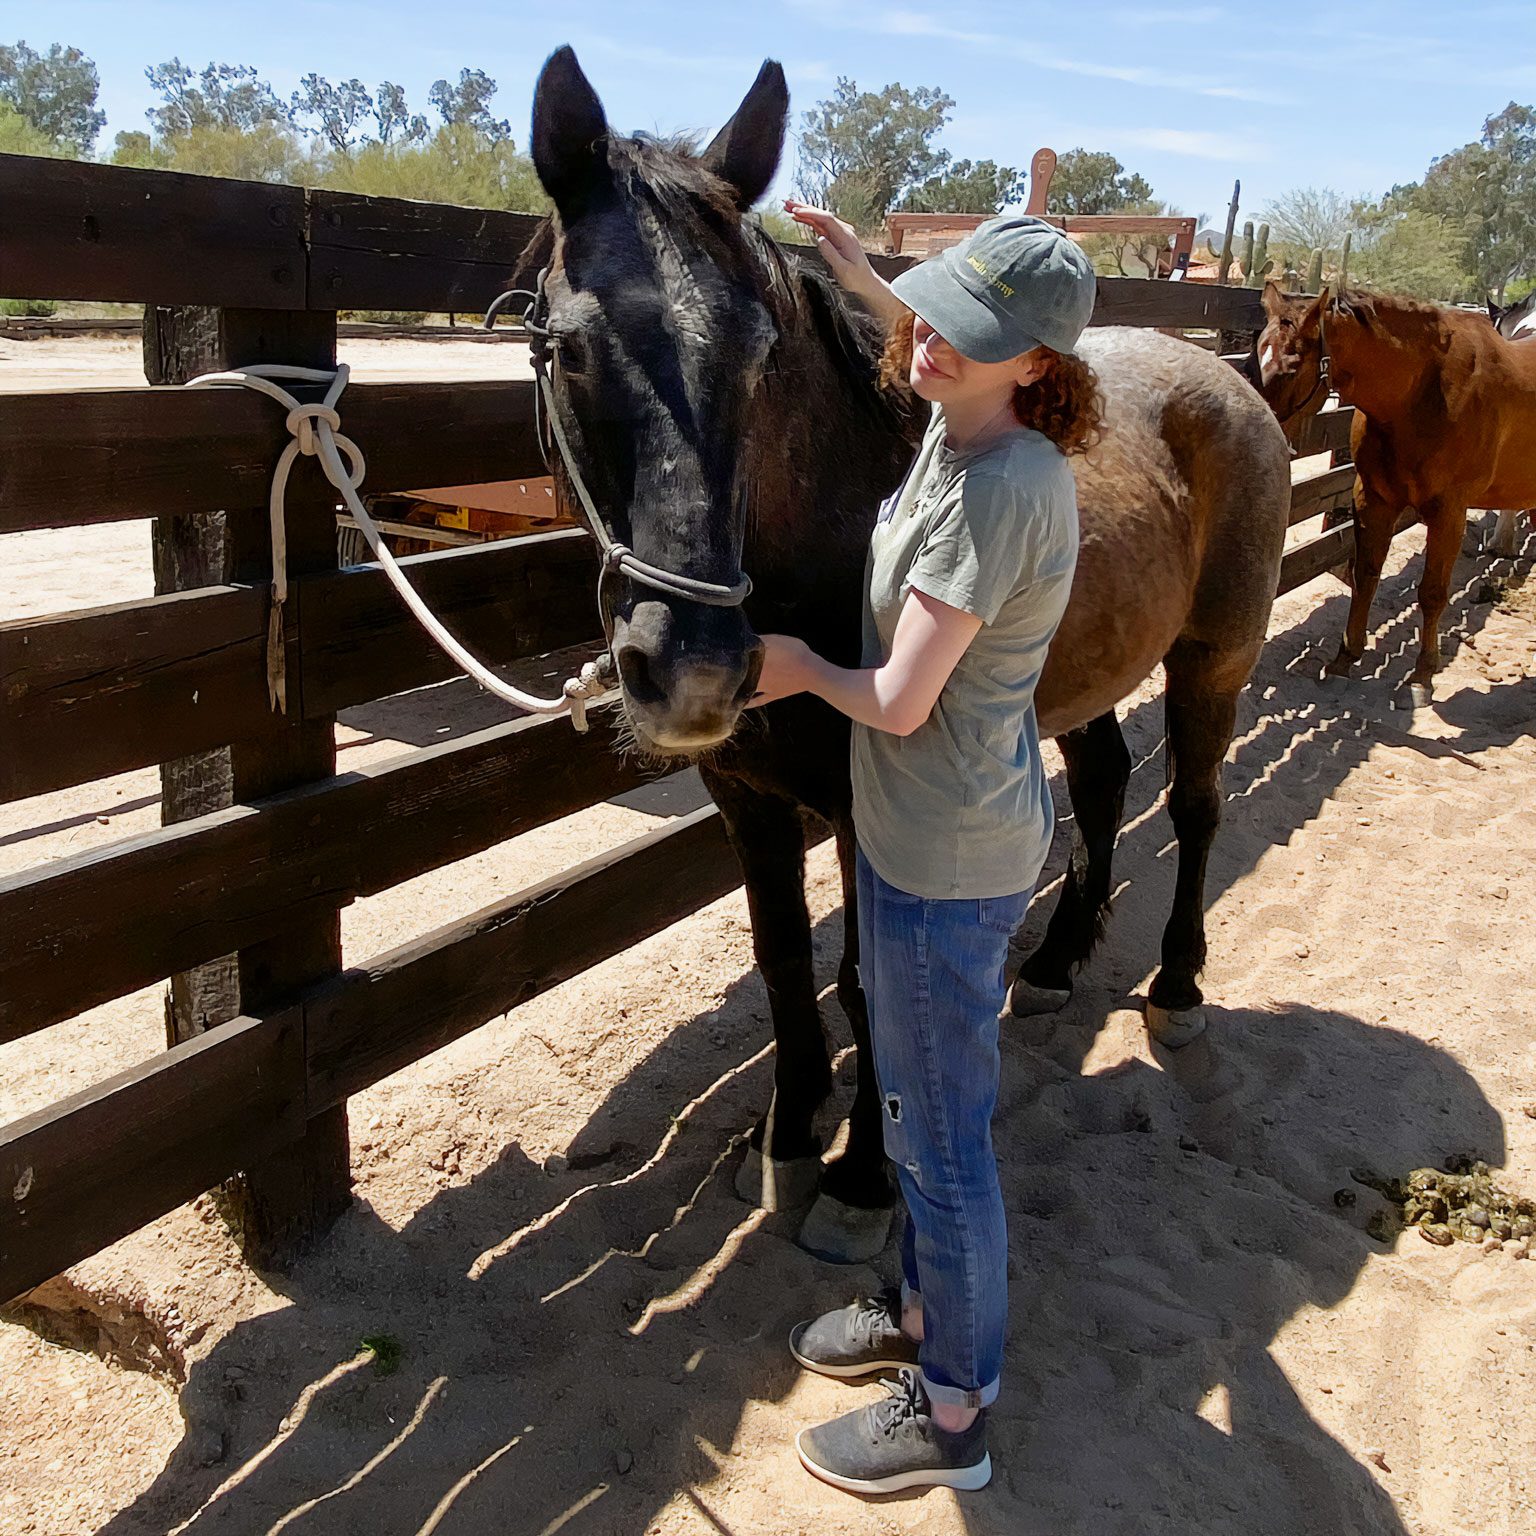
(1016,283)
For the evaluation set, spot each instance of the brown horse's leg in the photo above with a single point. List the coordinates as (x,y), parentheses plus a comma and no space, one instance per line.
(1374,522)
(1201,710)
(1098,769)
(851,1218)
(784,1160)
(1447,526)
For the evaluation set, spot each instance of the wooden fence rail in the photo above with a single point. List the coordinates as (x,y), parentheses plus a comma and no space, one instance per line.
(98,1165)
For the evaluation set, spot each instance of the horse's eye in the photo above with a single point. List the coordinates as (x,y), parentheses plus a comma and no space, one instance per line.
(572,351)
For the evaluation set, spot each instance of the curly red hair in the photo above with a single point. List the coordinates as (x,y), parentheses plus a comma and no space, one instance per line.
(1064,404)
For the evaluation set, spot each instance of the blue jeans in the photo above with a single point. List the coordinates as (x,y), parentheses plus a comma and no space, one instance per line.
(934,981)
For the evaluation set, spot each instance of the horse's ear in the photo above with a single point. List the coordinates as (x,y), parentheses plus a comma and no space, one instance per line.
(570,133)
(1315,310)
(746,151)
(1274,299)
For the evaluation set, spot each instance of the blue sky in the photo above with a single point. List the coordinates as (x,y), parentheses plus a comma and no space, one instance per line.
(1355,96)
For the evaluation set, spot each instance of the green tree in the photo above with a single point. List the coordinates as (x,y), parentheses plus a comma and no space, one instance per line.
(264,151)
(55,92)
(962,187)
(335,113)
(1487,191)
(860,150)
(468,104)
(1306,219)
(395,119)
(221,95)
(1402,249)
(20,137)
(1092,181)
(457,164)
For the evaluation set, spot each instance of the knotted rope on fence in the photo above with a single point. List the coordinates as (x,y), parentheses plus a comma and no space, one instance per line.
(316,433)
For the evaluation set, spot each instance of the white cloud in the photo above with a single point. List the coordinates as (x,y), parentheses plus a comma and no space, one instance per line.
(926,24)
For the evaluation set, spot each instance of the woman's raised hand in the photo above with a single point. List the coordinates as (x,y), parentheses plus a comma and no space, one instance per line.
(846,259)
(837,243)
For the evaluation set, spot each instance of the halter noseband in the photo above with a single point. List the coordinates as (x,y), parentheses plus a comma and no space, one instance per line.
(617,558)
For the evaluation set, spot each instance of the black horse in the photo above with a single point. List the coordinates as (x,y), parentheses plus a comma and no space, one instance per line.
(722,405)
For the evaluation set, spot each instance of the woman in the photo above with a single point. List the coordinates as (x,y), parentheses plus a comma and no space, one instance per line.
(969,571)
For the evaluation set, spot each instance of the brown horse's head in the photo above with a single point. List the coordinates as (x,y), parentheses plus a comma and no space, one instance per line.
(663,313)
(1290,351)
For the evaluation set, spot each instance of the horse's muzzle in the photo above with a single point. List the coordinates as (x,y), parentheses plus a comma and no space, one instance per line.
(685,679)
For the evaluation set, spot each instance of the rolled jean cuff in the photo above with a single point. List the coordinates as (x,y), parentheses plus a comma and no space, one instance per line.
(960,1397)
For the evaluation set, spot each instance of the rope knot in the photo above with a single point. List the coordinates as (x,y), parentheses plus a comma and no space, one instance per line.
(301,420)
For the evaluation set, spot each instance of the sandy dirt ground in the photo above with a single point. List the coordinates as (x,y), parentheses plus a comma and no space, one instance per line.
(587,1328)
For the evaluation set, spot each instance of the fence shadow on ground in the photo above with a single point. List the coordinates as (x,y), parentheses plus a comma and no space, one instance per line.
(576,1363)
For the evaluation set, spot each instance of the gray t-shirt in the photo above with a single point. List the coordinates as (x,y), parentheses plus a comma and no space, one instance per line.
(960,808)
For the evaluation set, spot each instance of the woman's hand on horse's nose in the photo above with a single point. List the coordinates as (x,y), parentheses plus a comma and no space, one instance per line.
(784,669)
(836,241)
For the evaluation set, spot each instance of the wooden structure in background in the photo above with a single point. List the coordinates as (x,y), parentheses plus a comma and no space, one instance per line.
(926,234)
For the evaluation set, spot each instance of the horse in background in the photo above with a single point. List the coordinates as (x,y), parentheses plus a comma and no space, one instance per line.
(1514,321)
(1445,416)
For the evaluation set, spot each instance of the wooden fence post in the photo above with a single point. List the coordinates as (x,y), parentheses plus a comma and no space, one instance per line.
(291,1196)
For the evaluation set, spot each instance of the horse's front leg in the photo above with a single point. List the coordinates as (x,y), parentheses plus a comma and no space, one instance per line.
(851,1218)
(783,1162)
(1447,524)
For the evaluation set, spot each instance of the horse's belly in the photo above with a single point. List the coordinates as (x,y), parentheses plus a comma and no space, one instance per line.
(1131,597)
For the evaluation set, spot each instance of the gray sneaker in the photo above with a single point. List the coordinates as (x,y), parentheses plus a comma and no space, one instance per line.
(894,1444)
(856,1339)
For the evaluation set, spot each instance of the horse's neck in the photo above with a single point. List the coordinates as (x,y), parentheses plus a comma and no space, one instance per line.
(1384,368)
(822,448)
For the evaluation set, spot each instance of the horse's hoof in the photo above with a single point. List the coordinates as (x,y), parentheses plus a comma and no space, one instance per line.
(844,1234)
(1027,1001)
(1175,1027)
(1422,694)
(777,1184)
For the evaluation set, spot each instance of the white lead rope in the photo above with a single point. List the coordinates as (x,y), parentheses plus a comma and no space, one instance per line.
(317,433)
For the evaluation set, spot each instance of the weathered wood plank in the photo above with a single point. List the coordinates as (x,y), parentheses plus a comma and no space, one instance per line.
(389,253)
(519,597)
(78,230)
(95,693)
(412,1001)
(94,456)
(1327,431)
(1153,301)
(87,694)
(1320,492)
(83,930)
(1328,552)
(95,1166)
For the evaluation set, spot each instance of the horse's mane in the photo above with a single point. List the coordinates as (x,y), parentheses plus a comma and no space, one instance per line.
(1369,307)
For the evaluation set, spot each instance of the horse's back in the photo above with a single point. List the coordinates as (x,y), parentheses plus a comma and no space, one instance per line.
(1182,508)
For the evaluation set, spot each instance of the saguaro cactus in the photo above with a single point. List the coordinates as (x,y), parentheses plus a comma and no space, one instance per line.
(1257,266)
(1344,264)
(1315,273)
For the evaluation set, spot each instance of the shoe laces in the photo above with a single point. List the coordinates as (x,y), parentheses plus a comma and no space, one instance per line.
(873,1315)
(905,1400)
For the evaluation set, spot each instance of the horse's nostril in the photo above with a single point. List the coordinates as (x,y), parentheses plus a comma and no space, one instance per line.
(635,673)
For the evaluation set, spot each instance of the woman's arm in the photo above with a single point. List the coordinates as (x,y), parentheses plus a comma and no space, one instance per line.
(899,696)
(842,252)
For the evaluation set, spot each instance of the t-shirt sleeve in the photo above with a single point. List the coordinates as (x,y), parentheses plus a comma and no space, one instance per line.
(980,548)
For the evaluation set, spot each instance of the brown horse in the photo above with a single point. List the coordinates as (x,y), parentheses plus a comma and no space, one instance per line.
(1445,419)
(723,407)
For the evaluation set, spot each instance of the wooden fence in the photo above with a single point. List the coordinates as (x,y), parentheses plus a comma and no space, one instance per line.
(264,839)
